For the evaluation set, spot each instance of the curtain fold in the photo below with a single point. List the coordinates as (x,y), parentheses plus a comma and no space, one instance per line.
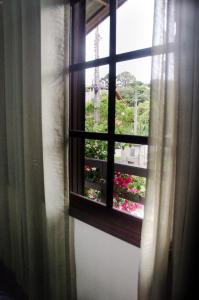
(3,147)
(157,224)
(185,260)
(168,243)
(55,26)
(35,230)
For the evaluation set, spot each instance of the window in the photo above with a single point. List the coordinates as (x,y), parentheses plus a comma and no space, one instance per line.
(109,113)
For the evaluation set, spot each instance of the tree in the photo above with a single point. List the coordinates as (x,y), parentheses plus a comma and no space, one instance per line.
(125,79)
(133,93)
(104,81)
(132,112)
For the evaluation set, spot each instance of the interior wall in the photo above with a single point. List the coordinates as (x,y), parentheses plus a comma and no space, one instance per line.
(106,267)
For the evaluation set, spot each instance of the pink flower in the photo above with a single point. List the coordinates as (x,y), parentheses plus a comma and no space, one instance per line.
(87,168)
(116,185)
(134,190)
(129,179)
(124,185)
(124,206)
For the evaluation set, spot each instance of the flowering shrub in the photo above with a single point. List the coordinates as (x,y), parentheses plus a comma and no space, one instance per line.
(91,173)
(127,190)
(96,149)
(133,208)
(92,194)
(125,184)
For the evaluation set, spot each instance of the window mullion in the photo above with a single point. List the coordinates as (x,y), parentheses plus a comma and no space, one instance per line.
(77,99)
(111,105)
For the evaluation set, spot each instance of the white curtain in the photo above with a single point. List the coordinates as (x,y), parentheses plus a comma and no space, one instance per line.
(168,235)
(35,230)
(3,148)
(185,259)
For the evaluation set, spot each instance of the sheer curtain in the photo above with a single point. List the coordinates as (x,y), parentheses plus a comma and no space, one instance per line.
(168,241)
(3,147)
(36,235)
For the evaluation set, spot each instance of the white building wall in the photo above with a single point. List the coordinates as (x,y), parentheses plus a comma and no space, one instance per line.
(106,267)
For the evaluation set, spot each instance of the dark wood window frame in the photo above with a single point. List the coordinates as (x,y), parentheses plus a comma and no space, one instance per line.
(103,217)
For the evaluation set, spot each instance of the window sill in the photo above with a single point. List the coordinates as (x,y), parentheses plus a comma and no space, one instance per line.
(121,225)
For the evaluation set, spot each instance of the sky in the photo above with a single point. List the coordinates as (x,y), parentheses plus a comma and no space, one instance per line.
(134,31)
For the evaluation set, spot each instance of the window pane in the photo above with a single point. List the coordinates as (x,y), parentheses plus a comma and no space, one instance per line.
(131,155)
(96,96)
(129,179)
(128,194)
(88,164)
(95,170)
(97,29)
(91,26)
(133,96)
(134,25)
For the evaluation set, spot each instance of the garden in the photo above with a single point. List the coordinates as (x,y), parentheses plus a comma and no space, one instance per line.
(132,117)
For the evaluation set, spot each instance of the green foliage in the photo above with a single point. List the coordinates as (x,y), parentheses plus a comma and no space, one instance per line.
(96,149)
(92,174)
(90,124)
(138,183)
(132,92)
(143,125)
(125,79)
(105,80)
(123,118)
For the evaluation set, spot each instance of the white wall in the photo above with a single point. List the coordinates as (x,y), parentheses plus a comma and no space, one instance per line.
(106,267)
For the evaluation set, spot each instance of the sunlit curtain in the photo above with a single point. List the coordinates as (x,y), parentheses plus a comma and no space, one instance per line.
(168,243)
(185,258)
(36,235)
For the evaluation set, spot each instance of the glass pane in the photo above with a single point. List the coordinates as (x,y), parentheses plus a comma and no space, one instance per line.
(131,155)
(97,29)
(134,25)
(96,98)
(128,194)
(95,170)
(133,96)
(129,181)
(91,27)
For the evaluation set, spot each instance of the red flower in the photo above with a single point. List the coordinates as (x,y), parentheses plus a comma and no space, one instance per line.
(124,185)
(129,179)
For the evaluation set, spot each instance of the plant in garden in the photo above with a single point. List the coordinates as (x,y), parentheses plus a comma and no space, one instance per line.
(129,89)
(126,187)
(124,184)
(92,194)
(129,207)
(92,174)
(96,149)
